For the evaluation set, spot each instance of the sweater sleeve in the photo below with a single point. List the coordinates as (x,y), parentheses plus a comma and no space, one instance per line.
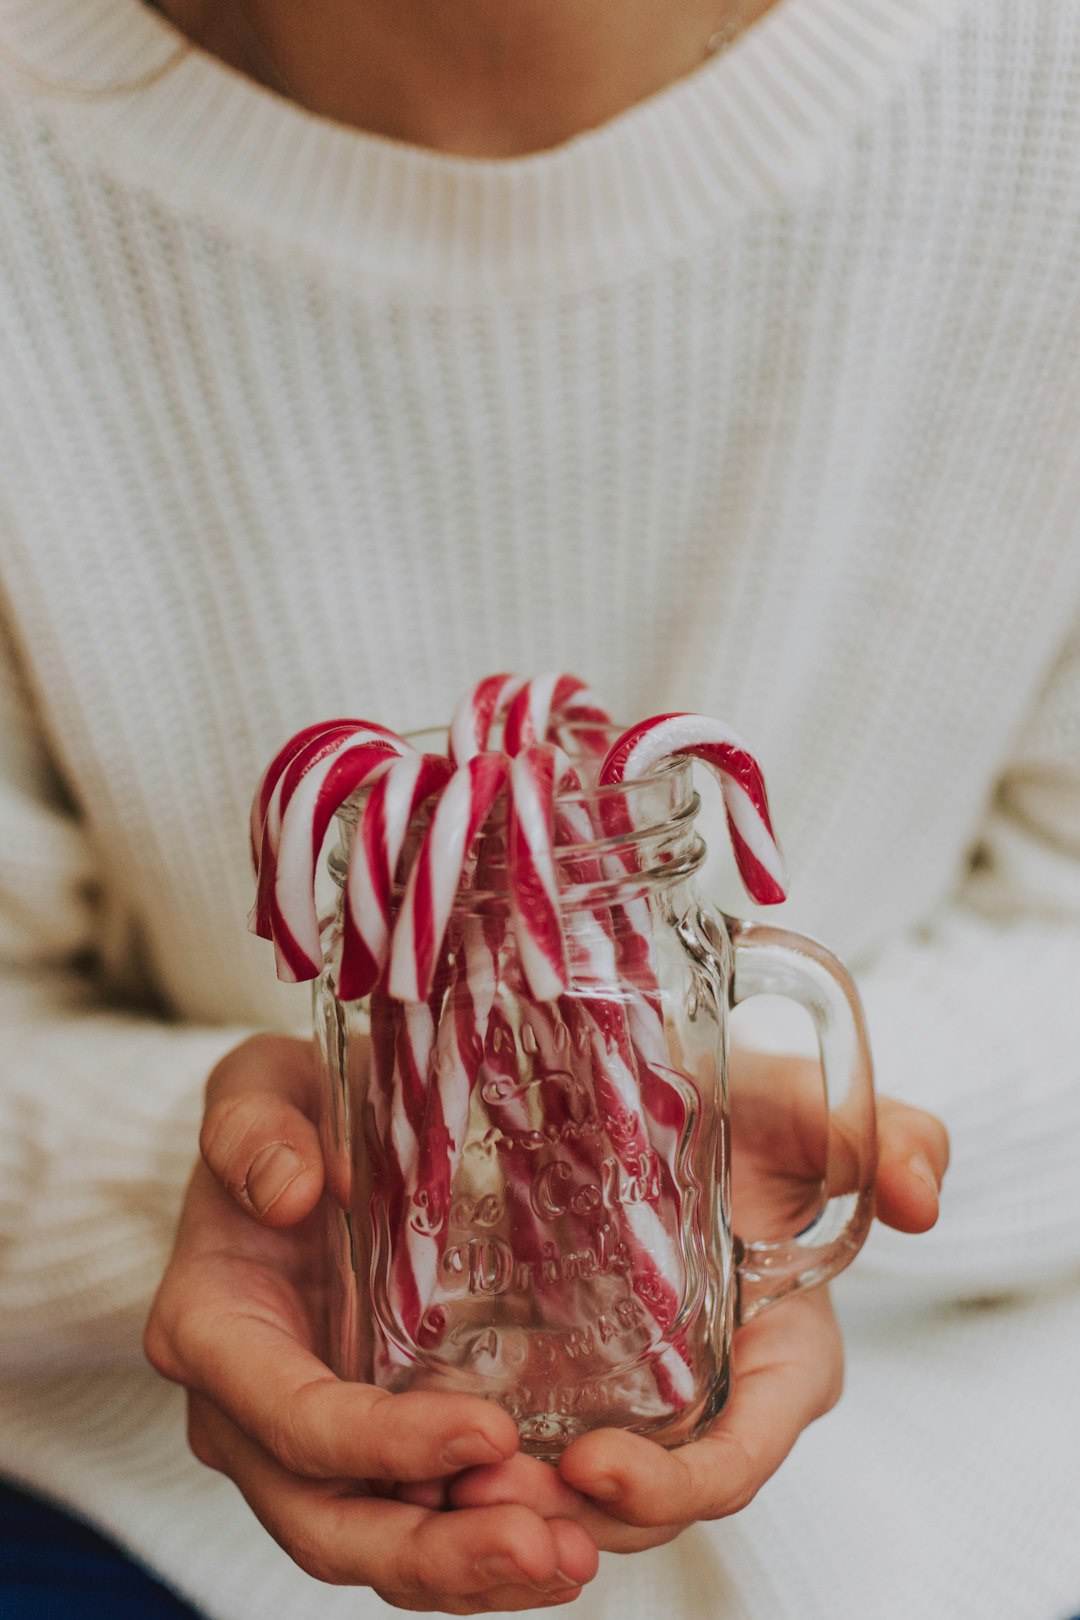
(99,1106)
(977,1017)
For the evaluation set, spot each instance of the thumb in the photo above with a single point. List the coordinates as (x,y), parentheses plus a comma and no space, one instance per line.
(257,1135)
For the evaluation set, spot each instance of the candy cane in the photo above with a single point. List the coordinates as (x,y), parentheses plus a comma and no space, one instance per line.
(534,890)
(429,1052)
(546,707)
(418,934)
(671,736)
(478,713)
(303,753)
(599,1025)
(377,844)
(318,757)
(269,778)
(309,804)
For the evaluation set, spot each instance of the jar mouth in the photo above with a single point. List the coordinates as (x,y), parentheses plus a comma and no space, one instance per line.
(435,740)
(652,843)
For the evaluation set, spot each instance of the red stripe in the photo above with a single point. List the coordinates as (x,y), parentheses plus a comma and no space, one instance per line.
(303,761)
(741,767)
(342,781)
(761,886)
(358,971)
(269,779)
(518,730)
(292,955)
(423,920)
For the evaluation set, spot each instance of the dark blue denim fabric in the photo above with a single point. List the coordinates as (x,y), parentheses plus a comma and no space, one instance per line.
(54,1568)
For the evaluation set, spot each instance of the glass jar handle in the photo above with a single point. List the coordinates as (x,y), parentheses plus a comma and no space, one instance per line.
(775,962)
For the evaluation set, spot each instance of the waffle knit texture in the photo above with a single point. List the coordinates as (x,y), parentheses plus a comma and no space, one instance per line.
(763,400)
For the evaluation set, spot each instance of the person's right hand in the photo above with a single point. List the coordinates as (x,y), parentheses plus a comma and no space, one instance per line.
(318,1459)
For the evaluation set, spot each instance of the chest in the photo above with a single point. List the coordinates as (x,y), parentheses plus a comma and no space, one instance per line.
(816,478)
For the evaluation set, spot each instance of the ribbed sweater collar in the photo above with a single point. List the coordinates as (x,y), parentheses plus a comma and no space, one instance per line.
(751,127)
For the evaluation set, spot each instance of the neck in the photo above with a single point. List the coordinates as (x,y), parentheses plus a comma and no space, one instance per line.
(479,78)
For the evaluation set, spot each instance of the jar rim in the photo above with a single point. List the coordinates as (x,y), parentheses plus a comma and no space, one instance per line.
(658,774)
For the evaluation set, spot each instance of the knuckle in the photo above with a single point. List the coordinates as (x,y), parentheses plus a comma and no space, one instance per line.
(293,1433)
(158,1346)
(738,1499)
(662,1534)
(285,1442)
(308,1549)
(402,1600)
(199,1442)
(412,1604)
(383,1445)
(194,1340)
(412,1574)
(744,1473)
(930,1132)
(833,1389)
(224,1127)
(239,1058)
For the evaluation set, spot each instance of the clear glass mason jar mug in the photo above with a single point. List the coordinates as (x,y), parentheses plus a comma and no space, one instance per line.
(531,1201)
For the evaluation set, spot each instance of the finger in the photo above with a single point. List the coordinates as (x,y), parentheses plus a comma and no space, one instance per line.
(521,1479)
(257,1136)
(234,1329)
(778,1114)
(285,1399)
(913,1148)
(780,1119)
(788,1372)
(539,1486)
(344,1538)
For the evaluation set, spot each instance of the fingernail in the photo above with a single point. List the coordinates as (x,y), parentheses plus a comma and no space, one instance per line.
(921,1169)
(272,1171)
(470,1451)
(501,1571)
(605,1486)
(559,1583)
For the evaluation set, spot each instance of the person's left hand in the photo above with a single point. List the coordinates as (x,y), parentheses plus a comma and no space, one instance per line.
(630,1493)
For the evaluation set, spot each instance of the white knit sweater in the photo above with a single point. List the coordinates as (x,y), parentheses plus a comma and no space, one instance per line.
(762,399)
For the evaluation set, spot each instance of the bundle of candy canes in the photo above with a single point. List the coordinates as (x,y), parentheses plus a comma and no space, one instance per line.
(438,1020)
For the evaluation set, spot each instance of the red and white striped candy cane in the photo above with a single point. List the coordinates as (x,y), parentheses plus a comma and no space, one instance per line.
(309,803)
(417,938)
(671,736)
(598,1026)
(534,888)
(306,751)
(478,713)
(269,779)
(378,841)
(549,706)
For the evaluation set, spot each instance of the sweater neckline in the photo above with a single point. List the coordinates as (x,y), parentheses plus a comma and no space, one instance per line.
(751,127)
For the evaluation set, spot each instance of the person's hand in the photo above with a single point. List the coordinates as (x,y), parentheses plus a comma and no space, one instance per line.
(321,1462)
(630,1493)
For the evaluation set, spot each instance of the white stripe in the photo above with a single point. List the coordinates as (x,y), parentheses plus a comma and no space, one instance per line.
(367,915)
(752,830)
(684,732)
(397,805)
(294,880)
(674,736)
(464,742)
(541,693)
(533,809)
(445,838)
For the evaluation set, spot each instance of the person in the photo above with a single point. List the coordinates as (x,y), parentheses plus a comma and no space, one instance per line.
(729,357)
